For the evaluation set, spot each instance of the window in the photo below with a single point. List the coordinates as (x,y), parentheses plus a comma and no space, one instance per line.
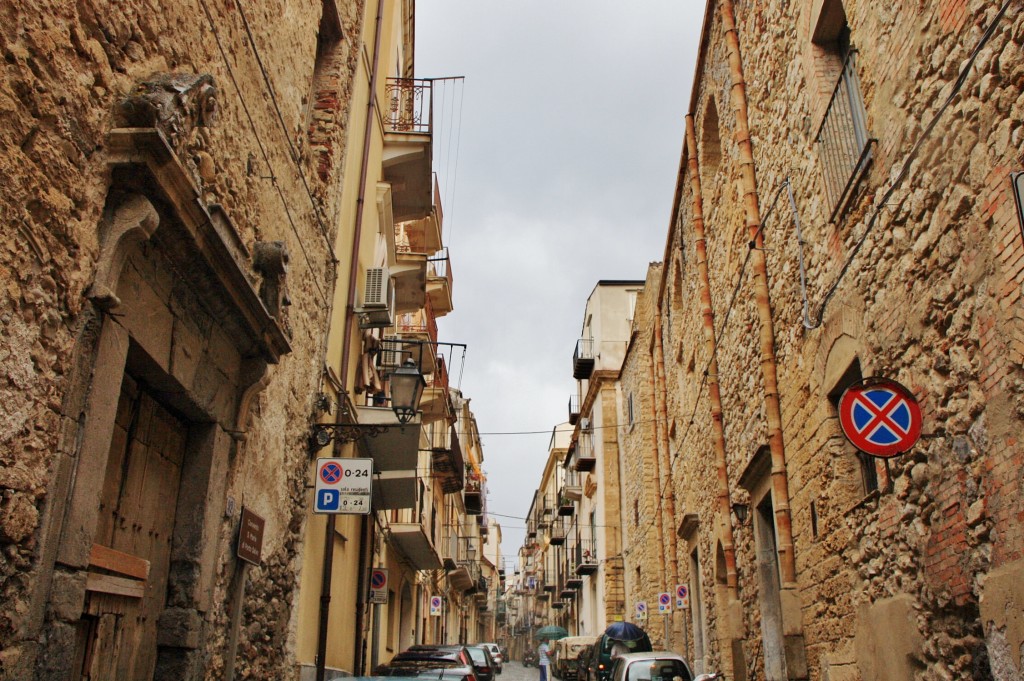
(325,97)
(869,474)
(629,408)
(697,612)
(844,148)
(711,143)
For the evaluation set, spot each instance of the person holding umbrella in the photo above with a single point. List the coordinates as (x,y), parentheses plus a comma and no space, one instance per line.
(545,634)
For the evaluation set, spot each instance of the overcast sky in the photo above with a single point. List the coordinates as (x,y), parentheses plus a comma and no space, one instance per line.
(557,158)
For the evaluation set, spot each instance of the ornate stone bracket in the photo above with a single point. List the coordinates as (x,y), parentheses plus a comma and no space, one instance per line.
(132,222)
(270,258)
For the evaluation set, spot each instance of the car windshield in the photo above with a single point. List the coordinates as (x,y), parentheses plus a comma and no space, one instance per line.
(479,657)
(657,670)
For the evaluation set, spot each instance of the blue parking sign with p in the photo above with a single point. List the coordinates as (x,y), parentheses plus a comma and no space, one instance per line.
(327,500)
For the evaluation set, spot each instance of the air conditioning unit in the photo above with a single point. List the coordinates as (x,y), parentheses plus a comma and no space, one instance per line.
(584,423)
(378,310)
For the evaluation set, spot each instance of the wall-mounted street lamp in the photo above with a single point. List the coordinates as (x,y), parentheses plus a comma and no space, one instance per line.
(741,511)
(406,390)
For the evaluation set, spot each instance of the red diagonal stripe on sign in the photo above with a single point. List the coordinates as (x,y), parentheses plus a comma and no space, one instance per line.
(881,415)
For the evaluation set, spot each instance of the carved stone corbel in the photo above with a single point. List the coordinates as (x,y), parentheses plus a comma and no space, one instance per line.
(131,223)
(270,258)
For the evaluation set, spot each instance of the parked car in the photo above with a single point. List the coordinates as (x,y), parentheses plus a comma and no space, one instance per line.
(483,662)
(563,657)
(496,654)
(425,672)
(423,658)
(654,665)
(600,666)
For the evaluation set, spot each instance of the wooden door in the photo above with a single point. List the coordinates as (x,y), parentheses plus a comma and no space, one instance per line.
(136,520)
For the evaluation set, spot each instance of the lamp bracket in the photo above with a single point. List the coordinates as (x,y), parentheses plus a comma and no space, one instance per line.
(326,433)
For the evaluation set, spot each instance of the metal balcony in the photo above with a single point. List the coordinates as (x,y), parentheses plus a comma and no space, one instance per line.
(585,557)
(447,462)
(408,147)
(416,541)
(473,493)
(439,282)
(574,409)
(583,359)
(585,460)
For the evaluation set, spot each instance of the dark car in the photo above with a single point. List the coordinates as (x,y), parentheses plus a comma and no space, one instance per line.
(483,662)
(418,660)
(600,665)
(427,672)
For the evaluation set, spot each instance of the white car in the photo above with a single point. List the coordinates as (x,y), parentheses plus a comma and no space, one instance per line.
(496,655)
(654,665)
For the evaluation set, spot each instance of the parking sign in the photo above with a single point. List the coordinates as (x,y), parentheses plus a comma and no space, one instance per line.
(343,485)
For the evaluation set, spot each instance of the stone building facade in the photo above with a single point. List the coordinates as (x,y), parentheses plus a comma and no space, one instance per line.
(176,220)
(844,211)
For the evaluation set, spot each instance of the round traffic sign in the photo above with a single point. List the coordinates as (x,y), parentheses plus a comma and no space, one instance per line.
(331,472)
(682,591)
(664,599)
(880,417)
(378,578)
(435,602)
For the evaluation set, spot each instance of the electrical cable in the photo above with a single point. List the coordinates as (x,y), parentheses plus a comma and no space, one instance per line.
(259,143)
(905,169)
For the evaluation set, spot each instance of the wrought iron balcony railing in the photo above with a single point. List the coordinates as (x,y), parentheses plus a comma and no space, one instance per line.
(409,105)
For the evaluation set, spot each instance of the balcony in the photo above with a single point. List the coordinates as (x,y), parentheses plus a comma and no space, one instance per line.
(567,593)
(439,282)
(844,148)
(446,460)
(473,492)
(567,500)
(408,152)
(416,344)
(392,445)
(583,359)
(416,541)
(436,402)
(574,409)
(585,460)
(574,582)
(464,577)
(584,557)
(557,535)
(424,235)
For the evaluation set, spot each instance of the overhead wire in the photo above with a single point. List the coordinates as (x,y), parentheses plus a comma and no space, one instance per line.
(968,64)
(259,143)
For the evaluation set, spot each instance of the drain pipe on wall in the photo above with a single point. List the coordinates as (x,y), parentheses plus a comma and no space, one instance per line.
(734,612)
(366,533)
(791,612)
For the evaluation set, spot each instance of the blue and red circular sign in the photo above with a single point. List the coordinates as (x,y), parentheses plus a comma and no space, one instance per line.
(880,417)
(331,473)
(664,599)
(378,579)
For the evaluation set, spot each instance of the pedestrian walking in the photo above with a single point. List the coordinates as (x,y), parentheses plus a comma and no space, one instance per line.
(543,660)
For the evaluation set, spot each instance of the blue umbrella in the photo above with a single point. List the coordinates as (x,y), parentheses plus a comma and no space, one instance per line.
(624,631)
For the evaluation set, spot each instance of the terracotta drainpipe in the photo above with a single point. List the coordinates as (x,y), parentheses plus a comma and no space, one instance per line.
(346,349)
(714,391)
(773,412)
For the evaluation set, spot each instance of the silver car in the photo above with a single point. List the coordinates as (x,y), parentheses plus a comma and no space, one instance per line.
(654,665)
(496,655)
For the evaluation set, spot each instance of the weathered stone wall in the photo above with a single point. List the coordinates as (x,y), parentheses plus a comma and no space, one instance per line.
(67,66)
(644,560)
(931,298)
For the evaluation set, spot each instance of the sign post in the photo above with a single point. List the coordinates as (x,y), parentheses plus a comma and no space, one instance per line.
(343,486)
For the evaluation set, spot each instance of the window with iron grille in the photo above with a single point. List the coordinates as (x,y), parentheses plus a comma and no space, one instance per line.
(844,147)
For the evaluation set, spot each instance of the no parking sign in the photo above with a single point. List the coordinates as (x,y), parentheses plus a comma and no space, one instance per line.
(435,606)
(682,596)
(641,611)
(664,603)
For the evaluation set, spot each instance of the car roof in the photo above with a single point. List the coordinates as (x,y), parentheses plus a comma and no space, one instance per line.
(652,655)
(441,674)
